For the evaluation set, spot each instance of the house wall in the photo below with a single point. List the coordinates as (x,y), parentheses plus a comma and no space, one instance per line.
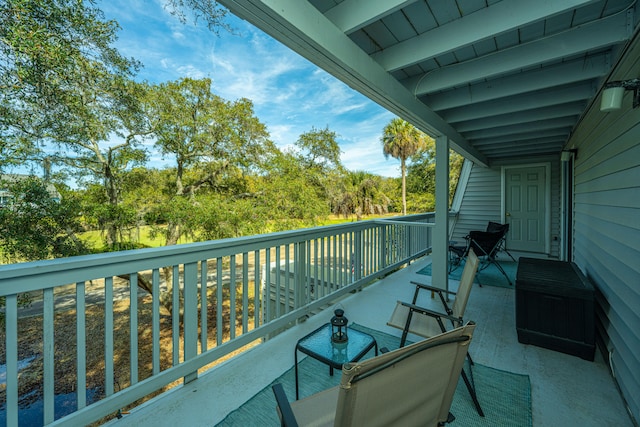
(7,179)
(482,201)
(606,226)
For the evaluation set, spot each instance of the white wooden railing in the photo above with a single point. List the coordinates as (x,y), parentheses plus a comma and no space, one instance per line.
(277,279)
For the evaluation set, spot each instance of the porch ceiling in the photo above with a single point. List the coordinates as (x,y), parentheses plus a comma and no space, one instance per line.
(501,79)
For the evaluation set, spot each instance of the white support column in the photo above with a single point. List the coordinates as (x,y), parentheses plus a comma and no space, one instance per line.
(441,230)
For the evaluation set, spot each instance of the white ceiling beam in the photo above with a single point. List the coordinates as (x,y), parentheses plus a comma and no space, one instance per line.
(301,27)
(351,15)
(525,102)
(521,128)
(584,38)
(516,146)
(542,153)
(485,23)
(555,133)
(507,119)
(557,75)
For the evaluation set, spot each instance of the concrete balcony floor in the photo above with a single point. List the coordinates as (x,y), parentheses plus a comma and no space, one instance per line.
(565,390)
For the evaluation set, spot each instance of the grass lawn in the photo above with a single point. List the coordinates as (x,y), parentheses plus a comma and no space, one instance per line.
(141,234)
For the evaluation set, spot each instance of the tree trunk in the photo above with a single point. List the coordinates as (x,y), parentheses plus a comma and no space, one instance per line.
(173,233)
(143,283)
(403,168)
(112,196)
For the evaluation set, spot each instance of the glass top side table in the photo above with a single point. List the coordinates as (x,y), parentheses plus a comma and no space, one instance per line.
(319,346)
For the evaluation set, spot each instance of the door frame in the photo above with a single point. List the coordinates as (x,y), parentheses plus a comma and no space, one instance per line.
(567,182)
(547,197)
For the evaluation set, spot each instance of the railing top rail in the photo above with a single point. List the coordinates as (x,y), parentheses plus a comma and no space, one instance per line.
(38,275)
(419,224)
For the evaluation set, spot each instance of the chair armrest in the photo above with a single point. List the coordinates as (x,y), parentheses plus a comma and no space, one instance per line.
(431,313)
(431,288)
(287,418)
(440,292)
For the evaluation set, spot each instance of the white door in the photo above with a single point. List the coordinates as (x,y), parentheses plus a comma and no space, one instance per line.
(525,209)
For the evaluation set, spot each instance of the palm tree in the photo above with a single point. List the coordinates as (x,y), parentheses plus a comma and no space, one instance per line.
(402,140)
(361,195)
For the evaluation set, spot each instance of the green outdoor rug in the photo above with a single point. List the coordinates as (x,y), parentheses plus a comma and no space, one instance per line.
(505,397)
(490,276)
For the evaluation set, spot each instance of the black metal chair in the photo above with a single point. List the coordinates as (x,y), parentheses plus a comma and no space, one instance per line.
(486,245)
(496,227)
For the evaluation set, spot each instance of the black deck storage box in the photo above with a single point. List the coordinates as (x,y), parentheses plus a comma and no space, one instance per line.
(555,307)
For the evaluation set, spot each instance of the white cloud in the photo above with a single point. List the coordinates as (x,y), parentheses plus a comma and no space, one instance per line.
(290,95)
(189,70)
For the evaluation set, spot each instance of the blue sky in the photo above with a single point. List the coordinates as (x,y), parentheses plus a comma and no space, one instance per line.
(290,94)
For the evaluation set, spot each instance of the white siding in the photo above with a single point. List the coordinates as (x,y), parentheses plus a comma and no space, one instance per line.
(480,203)
(607,228)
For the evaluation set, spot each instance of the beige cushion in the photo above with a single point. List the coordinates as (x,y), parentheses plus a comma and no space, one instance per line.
(422,325)
(317,410)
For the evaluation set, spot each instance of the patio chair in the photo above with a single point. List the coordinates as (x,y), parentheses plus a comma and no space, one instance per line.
(410,386)
(496,227)
(424,322)
(486,244)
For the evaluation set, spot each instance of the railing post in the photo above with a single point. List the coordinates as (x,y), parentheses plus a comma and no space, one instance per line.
(133,328)
(301,281)
(357,262)
(175,314)
(266,288)
(382,244)
(48,349)
(11,347)
(410,240)
(81,346)
(190,280)
(155,327)
(219,296)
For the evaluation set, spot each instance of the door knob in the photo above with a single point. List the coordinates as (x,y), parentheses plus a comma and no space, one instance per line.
(508,214)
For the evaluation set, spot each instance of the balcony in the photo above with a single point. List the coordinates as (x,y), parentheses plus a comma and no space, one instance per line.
(565,390)
(283,281)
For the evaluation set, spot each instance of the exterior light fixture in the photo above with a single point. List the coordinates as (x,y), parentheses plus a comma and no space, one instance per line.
(614,91)
(339,327)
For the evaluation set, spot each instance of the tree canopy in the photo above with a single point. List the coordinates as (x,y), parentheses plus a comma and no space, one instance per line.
(211,140)
(35,225)
(70,101)
(59,73)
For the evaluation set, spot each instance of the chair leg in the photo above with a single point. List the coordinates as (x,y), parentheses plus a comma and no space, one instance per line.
(477,279)
(405,331)
(471,362)
(472,392)
(504,273)
(508,253)
(503,247)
